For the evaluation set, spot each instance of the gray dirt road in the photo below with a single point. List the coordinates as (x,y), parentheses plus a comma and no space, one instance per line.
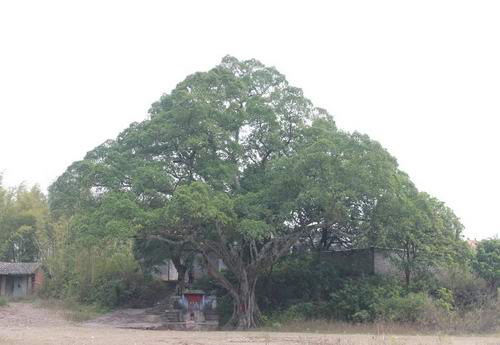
(24,324)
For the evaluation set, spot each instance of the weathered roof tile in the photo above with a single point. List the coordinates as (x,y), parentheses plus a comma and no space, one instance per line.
(18,268)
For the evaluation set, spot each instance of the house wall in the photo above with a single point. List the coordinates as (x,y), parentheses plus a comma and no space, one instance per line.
(38,279)
(357,262)
(168,272)
(384,262)
(21,285)
(6,285)
(3,281)
(351,262)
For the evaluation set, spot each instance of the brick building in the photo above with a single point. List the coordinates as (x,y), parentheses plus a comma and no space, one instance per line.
(20,279)
(363,261)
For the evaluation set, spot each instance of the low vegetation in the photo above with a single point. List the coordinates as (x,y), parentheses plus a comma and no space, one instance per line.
(454,301)
(70,309)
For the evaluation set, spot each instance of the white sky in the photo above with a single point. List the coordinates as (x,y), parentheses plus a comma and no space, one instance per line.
(421,77)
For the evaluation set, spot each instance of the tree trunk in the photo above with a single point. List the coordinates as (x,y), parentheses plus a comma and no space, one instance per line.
(246,313)
(407,277)
(181,281)
(407,266)
(181,278)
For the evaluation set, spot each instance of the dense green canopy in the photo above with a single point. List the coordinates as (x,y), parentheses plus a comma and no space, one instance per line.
(24,224)
(487,262)
(237,164)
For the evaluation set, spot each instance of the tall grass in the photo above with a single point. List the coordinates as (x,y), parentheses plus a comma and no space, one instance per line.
(477,322)
(430,319)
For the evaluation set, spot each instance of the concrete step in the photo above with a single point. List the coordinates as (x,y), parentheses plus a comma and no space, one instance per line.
(172,316)
(211,316)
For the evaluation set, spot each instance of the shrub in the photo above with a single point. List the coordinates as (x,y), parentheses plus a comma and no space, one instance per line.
(357,299)
(108,276)
(408,308)
(444,298)
(483,319)
(468,290)
(296,279)
(301,311)
(487,262)
(3,302)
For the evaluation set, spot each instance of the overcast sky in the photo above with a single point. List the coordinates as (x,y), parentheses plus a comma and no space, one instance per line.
(421,77)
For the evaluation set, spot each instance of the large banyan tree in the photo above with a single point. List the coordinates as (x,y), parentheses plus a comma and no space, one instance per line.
(235,164)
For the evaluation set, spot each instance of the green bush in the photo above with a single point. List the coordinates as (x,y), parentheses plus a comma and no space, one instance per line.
(358,298)
(3,302)
(301,311)
(369,299)
(444,298)
(224,308)
(408,308)
(468,290)
(107,276)
(296,279)
(355,300)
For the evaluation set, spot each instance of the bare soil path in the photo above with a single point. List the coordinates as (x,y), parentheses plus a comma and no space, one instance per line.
(25,315)
(26,324)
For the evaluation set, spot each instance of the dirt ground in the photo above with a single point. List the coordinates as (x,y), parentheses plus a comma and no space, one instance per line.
(26,324)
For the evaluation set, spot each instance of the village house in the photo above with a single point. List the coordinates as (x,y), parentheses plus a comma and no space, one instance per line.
(168,273)
(352,262)
(472,244)
(20,279)
(363,261)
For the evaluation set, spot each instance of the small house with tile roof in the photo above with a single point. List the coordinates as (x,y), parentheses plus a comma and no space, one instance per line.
(20,279)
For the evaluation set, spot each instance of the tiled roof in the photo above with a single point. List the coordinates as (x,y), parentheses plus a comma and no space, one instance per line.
(15,268)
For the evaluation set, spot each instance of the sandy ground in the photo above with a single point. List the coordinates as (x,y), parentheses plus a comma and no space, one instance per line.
(23,323)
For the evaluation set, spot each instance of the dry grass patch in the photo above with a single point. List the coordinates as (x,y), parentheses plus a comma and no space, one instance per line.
(70,310)
(480,324)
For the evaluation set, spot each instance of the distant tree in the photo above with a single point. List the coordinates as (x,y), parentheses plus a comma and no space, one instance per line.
(487,263)
(24,224)
(425,232)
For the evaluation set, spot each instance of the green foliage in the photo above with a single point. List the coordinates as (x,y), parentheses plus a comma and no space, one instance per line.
(304,287)
(296,279)
(425,229)
(468,290)
(208,168)
(369,300)
(487,262)
(224,308)
(300,311)
(402,308)
(445,299)
(358,300)
(3,302)
(453,300)
(106,276)
(25,227)
(235,163)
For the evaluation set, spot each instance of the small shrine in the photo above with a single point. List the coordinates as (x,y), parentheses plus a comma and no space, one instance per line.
(193,310)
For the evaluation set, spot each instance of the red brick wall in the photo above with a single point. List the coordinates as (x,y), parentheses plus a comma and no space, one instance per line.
(38,281)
